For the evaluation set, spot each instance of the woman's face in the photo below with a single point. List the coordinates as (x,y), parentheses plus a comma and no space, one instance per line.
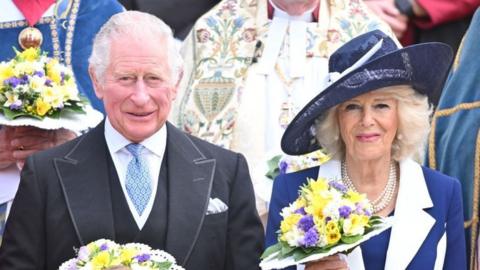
(368,125)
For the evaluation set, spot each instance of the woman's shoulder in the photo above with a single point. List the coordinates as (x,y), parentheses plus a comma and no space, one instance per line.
(441,186)
(433,177)
(298,175)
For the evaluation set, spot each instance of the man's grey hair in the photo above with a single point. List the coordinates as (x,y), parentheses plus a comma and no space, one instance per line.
(413,112)
(134,24)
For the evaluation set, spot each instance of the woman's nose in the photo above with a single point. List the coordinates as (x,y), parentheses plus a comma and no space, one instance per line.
(367,118)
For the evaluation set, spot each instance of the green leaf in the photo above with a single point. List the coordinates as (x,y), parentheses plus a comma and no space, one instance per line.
(272,164)
(286,250)
(300,254)
(270,250)
(10,115)
(164,265)
(350,239)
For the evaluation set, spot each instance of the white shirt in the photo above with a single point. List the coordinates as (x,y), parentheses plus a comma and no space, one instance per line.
(153,153)
(307,76)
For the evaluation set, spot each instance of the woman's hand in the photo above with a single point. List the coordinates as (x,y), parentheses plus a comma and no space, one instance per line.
(333,262)
(28,140)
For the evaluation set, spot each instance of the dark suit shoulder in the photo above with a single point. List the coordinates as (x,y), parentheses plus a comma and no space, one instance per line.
(210,150)
(59,150)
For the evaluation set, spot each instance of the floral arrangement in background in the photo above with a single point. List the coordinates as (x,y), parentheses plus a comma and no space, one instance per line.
(326,218)
(34,85)
(106,254)
(281,164)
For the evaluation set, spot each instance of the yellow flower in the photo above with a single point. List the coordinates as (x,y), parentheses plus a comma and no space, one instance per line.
(331,226)
(23,68)
(355,224)
(127,254)
(288,222)
(333,237)
(53,71)
(300,202)
(318,203)
(30,54)
(319,185)
(42,107)
(333,232)
(355,196)
(101,260)
(6,71)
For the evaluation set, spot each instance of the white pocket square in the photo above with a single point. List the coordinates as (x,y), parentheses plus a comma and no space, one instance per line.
(216,206)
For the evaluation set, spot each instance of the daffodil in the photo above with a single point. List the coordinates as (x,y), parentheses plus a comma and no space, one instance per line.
(42,107)
(30,54)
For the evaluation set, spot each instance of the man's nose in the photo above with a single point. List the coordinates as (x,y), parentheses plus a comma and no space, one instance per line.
(141,95)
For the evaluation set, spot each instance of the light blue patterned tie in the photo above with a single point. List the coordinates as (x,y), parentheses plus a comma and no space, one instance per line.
(138,178)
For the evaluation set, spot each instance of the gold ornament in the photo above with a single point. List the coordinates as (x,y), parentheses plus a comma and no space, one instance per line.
(30,37)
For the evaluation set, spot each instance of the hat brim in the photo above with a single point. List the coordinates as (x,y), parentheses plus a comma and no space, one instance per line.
(422,66)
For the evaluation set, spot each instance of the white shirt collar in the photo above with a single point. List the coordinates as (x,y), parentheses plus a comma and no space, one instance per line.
(155,149)
(116,141)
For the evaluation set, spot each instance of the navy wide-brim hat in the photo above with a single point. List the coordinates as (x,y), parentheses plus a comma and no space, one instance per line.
(366,63)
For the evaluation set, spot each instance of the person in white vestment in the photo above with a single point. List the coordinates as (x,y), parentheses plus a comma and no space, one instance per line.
(250,65)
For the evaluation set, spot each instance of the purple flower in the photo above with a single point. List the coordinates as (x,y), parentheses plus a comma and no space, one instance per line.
(62,75)
(311,237)
(283,167)
(16,105)
(327,219)
(344,211)
(306,223)
(103,247)
(301,211)
(143,257)
(39,73)
(24,79)
(48,82)
(12,81)
(368,212)
(338,186)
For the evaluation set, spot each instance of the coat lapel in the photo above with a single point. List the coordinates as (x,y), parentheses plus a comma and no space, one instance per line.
(190,176)
(83,175)
(412,224)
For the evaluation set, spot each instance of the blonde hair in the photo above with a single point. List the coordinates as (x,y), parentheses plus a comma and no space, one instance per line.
(413,112)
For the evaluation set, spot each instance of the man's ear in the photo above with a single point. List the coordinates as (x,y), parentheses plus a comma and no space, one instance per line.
(97,86)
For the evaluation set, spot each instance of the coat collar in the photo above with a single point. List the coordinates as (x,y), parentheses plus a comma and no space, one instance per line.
(87,192)
(407,210)
(410,218)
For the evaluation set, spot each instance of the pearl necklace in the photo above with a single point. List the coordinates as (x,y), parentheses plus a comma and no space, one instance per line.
(385,197)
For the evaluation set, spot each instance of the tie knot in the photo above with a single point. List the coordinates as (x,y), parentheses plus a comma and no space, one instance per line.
(135,149)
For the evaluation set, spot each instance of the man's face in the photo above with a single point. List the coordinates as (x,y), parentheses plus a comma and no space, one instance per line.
(296,7)
(137,87)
